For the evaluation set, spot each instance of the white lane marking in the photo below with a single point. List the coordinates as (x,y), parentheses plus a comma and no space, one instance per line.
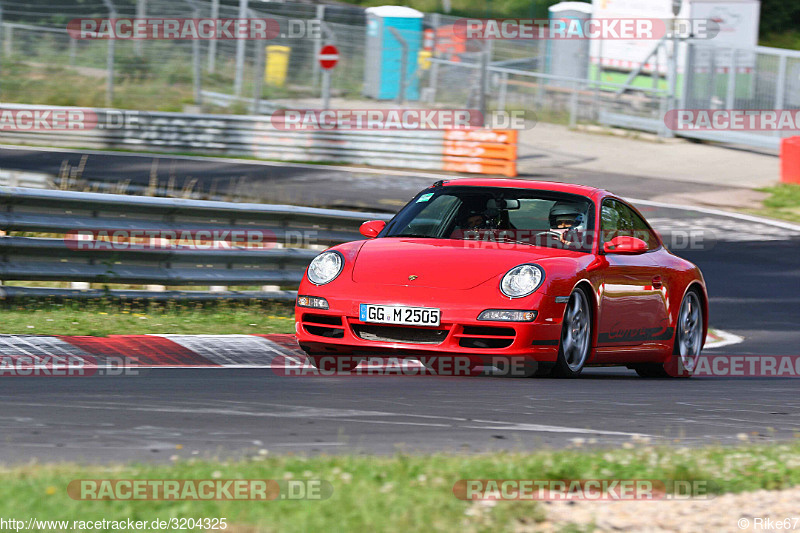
(273,444)
(707,227)
(719,212)
(726,339)
(550,429)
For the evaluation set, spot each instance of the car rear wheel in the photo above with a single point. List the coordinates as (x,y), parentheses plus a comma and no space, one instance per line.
(688,342)
(576,336)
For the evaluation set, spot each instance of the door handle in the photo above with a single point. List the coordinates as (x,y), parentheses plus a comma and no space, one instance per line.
(657,283)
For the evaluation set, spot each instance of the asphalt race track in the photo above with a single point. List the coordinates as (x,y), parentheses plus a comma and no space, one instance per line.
(753,277)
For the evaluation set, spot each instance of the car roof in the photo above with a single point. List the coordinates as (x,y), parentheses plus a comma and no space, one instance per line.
(584,190)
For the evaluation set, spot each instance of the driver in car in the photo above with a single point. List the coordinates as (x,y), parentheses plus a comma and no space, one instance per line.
(566,219)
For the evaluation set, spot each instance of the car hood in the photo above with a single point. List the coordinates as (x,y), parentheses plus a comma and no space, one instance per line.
(442,263)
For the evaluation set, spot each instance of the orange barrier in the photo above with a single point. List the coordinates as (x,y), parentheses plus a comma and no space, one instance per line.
(790,160)
(481,151)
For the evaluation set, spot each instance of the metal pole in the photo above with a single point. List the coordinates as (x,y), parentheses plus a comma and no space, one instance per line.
(689,75)
(434,76)
(110,59)
(141,12)
(483,80)
(573,106)
(240,50)
(730,96)
(8,39)
(780,84)
(196,79)
(212,44)
(673,71)
(503,89)
(1,37)
(73,44)
(259,81)
(326,88)
(320,16)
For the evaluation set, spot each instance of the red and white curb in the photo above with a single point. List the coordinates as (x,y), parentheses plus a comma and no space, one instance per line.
(185,351)
(156,351)
(717,338)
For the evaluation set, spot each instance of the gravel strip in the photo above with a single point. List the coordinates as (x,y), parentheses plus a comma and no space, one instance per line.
(728,512)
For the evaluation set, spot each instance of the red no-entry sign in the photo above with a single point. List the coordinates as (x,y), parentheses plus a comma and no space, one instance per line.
(328,56)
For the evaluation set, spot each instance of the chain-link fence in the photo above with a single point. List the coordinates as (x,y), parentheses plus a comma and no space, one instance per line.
(42,63)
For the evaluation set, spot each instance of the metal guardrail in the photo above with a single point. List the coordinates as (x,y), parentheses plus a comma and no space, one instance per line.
(257,136)
(298,233)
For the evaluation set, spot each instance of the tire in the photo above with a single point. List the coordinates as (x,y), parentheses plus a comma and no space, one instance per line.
(687,344)
(331,363)
(576,336)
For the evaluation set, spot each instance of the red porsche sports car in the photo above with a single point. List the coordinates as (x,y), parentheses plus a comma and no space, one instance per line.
(559,276)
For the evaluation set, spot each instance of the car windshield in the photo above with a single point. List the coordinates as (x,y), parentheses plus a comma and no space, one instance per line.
(521,216)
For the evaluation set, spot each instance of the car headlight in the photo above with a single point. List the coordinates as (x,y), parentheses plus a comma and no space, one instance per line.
(521,281)
(325,267)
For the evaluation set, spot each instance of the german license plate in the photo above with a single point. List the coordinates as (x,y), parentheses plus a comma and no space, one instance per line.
(399,314)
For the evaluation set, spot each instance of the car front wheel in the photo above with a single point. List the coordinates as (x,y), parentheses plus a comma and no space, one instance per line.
(576,336)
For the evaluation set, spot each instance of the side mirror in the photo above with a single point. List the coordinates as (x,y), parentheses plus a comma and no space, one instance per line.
(625,245)
(371,228)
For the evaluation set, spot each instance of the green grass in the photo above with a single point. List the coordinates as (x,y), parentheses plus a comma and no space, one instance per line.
(136,318)
(783,202)
(397,493)
(788,39)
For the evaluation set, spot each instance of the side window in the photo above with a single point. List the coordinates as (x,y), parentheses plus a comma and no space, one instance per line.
(618,219)
(609,221)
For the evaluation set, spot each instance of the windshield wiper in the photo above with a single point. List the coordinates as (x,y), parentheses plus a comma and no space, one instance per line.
(418,235)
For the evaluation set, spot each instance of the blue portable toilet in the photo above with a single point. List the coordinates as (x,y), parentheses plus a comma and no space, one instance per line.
(384,54)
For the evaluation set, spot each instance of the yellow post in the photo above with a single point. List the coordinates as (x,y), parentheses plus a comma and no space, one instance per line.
(424,59)
(277,65)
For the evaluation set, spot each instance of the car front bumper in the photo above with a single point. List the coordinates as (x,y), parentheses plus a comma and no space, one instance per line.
(338,330)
